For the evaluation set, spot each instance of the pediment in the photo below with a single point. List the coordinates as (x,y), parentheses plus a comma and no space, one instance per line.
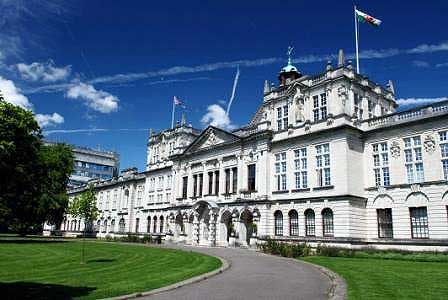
(211,137)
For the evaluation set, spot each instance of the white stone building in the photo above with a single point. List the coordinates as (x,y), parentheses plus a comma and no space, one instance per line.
(325,159)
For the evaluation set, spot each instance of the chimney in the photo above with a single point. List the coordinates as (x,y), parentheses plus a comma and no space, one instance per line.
(341,58)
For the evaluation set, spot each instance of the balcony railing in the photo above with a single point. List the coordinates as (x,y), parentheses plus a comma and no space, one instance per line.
(409,115)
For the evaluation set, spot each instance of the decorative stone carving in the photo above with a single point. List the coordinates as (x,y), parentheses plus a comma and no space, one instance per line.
(381,190)
(330,119)
(395,149)
(429,143)
(307,125)
(298,100)
(415,188)
(212,140)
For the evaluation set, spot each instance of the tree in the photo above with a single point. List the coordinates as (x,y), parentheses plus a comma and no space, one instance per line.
(33,176)
(20,142)
(56,165)
(84,207)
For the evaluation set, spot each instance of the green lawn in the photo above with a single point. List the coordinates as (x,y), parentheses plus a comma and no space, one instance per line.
(44,269)
(369,278)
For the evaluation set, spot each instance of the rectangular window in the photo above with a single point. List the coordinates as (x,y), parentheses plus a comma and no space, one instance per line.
(419,222)
(169,181)
(323,165)
(210,183)
(201,184)
(251,177)
(443,135)
(227,172)
(160,183)
(216,182)
(195,185)
(320,107)
(413,159)
(381,164)
(234,179)
(282,117)
(384,218)
(300,168)
(184,187)
(280,171)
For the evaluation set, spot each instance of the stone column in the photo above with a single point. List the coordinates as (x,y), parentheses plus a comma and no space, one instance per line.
(212,233)
(195,233)
(222,178)
(254,237)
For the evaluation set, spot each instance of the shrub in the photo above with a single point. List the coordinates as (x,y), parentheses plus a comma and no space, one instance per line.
(285,249)
(146,239)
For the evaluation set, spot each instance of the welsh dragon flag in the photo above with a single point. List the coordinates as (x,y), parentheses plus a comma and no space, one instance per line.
(365,18)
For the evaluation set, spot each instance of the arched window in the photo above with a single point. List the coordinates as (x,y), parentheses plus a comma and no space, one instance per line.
(74,225)
(137,225)
(105,226)
(112,225)
(310,226)
(278,216)
(293,223)
(121,226)
(154,225)
(79,225)
(327,222)
(161,224)
(148,224)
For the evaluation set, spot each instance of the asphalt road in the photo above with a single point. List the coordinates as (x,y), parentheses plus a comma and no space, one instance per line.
(253,275)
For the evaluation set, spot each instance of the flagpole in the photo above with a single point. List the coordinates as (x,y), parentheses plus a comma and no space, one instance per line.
(356,40)
(172,114)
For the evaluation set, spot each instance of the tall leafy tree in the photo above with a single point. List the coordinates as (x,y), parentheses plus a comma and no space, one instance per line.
(33,176)
(84,207)
(56,166)
(20,142)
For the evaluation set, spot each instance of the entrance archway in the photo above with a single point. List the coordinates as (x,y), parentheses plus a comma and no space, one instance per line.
(246,228)
(225,228)
(204,225)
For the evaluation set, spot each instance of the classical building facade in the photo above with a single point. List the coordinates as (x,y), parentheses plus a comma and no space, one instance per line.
(325,159)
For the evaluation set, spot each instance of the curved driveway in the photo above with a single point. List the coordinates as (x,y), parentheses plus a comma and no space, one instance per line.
(253,275)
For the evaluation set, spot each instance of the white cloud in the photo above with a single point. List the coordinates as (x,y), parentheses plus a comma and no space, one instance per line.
(49,120)
(92,130)
(442,65)
(419,101)
(177,70)
(420,64)
(96,99)
(13,94)
(427,48)
(216,116)
(46,72)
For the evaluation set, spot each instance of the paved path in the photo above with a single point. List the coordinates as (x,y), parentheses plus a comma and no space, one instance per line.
(253,275)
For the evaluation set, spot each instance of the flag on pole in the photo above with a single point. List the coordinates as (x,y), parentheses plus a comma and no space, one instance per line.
(365,18)
(177,101)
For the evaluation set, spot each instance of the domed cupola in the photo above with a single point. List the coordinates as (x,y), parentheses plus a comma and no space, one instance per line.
(289,72)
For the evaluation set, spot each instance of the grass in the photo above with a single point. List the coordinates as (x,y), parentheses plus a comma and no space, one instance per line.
(51,269)
(385,278)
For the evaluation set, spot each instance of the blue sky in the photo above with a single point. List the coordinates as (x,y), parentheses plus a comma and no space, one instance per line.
(100,73)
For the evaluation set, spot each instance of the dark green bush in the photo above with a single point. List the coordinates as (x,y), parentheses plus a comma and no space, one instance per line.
(285,249)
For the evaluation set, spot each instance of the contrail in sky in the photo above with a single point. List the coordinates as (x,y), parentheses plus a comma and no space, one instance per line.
(235,83)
